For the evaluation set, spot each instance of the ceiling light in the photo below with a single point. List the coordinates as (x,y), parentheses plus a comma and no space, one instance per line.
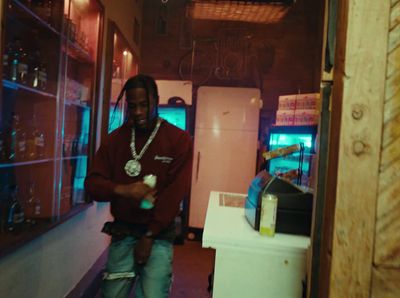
(256,11)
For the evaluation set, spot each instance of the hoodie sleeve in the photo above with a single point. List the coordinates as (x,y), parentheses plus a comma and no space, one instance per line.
(178,186)
(98,182)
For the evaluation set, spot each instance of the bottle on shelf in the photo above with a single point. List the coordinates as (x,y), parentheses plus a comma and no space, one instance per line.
(39,143)
(20,151)
(10,141)
(42,76)
(15,140)
(13,61)
(19,65)
(44,9)
(3,155)
(7,60)
(67,145)
(74,147)
(35,142)
(15,215)
(34,68)
(31,150)
(48,11)
(33,204)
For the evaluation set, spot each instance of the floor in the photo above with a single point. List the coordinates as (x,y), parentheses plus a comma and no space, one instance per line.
(192,266)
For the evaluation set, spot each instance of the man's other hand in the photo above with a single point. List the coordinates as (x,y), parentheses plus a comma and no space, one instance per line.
(137,190)
(142,250)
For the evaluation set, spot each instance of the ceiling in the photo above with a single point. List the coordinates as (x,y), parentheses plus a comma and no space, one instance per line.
(256,11)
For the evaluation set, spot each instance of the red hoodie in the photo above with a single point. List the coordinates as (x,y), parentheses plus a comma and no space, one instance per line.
(169,157)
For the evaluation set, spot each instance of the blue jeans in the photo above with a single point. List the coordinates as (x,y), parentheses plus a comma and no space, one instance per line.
(153,279)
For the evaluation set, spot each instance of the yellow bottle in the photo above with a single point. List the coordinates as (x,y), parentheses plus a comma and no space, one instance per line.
(269,206)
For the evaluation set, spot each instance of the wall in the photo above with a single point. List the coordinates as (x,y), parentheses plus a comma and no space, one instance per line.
(360,255)
(279,58)
(51,265)
(386,266)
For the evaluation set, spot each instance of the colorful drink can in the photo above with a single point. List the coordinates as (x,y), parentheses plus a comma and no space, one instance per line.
(269,206)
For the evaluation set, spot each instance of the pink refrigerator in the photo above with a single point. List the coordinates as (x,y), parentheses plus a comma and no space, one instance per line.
(225,145)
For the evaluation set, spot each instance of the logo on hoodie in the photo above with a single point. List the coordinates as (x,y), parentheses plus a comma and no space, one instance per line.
(164,159)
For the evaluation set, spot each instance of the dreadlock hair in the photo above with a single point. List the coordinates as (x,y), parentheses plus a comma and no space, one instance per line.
(140,81)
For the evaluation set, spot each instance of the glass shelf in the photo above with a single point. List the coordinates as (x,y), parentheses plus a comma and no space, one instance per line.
(24,163)
(77,103)
(74,157)
(16,86)
(35,17)
(77,52)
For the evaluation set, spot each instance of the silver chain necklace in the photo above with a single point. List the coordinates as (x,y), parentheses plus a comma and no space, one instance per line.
(133,166)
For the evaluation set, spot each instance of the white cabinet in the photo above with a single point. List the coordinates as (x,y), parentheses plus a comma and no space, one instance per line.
(246,263)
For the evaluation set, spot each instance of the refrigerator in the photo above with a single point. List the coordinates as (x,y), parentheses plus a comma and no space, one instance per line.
(177,115)
(225,145)
(284,136)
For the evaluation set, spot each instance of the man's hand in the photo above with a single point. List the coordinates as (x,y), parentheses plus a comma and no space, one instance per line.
(151,197)
(136,191)
(142,250)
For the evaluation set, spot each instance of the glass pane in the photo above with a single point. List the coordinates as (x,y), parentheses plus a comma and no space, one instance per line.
(28,106)
(124,65)
(81,29)
(174,115)
(291,162)
(49,50)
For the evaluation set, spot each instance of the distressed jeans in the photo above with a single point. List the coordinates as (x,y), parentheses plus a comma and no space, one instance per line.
(153,279)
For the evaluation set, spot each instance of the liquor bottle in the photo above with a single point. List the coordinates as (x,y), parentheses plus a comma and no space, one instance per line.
(3,156)
(33,204)
(7,60)
(13,61)
(48,11)
(34,68)
(15,140)
(35,142)
(11,141)
(74,147)
(20,138)
(42,76)
(31,150)
(20,58)
(16,215)
(39,143)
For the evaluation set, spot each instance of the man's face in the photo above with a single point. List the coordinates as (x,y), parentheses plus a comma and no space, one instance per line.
(139,107)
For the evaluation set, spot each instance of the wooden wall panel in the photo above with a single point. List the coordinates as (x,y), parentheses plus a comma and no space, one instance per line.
(359,83)
(385,283)
(387,243)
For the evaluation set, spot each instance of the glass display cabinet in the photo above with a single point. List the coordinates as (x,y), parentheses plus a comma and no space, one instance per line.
(123,64)
(49,66)
(284,136)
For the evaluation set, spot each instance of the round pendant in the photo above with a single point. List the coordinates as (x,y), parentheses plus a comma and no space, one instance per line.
(132,168)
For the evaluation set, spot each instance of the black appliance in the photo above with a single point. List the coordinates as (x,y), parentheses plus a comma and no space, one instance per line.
(294,212)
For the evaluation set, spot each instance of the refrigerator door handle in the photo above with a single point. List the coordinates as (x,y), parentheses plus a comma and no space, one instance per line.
(198,166)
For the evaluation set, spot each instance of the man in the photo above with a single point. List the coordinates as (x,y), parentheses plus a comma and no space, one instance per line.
(142,238)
